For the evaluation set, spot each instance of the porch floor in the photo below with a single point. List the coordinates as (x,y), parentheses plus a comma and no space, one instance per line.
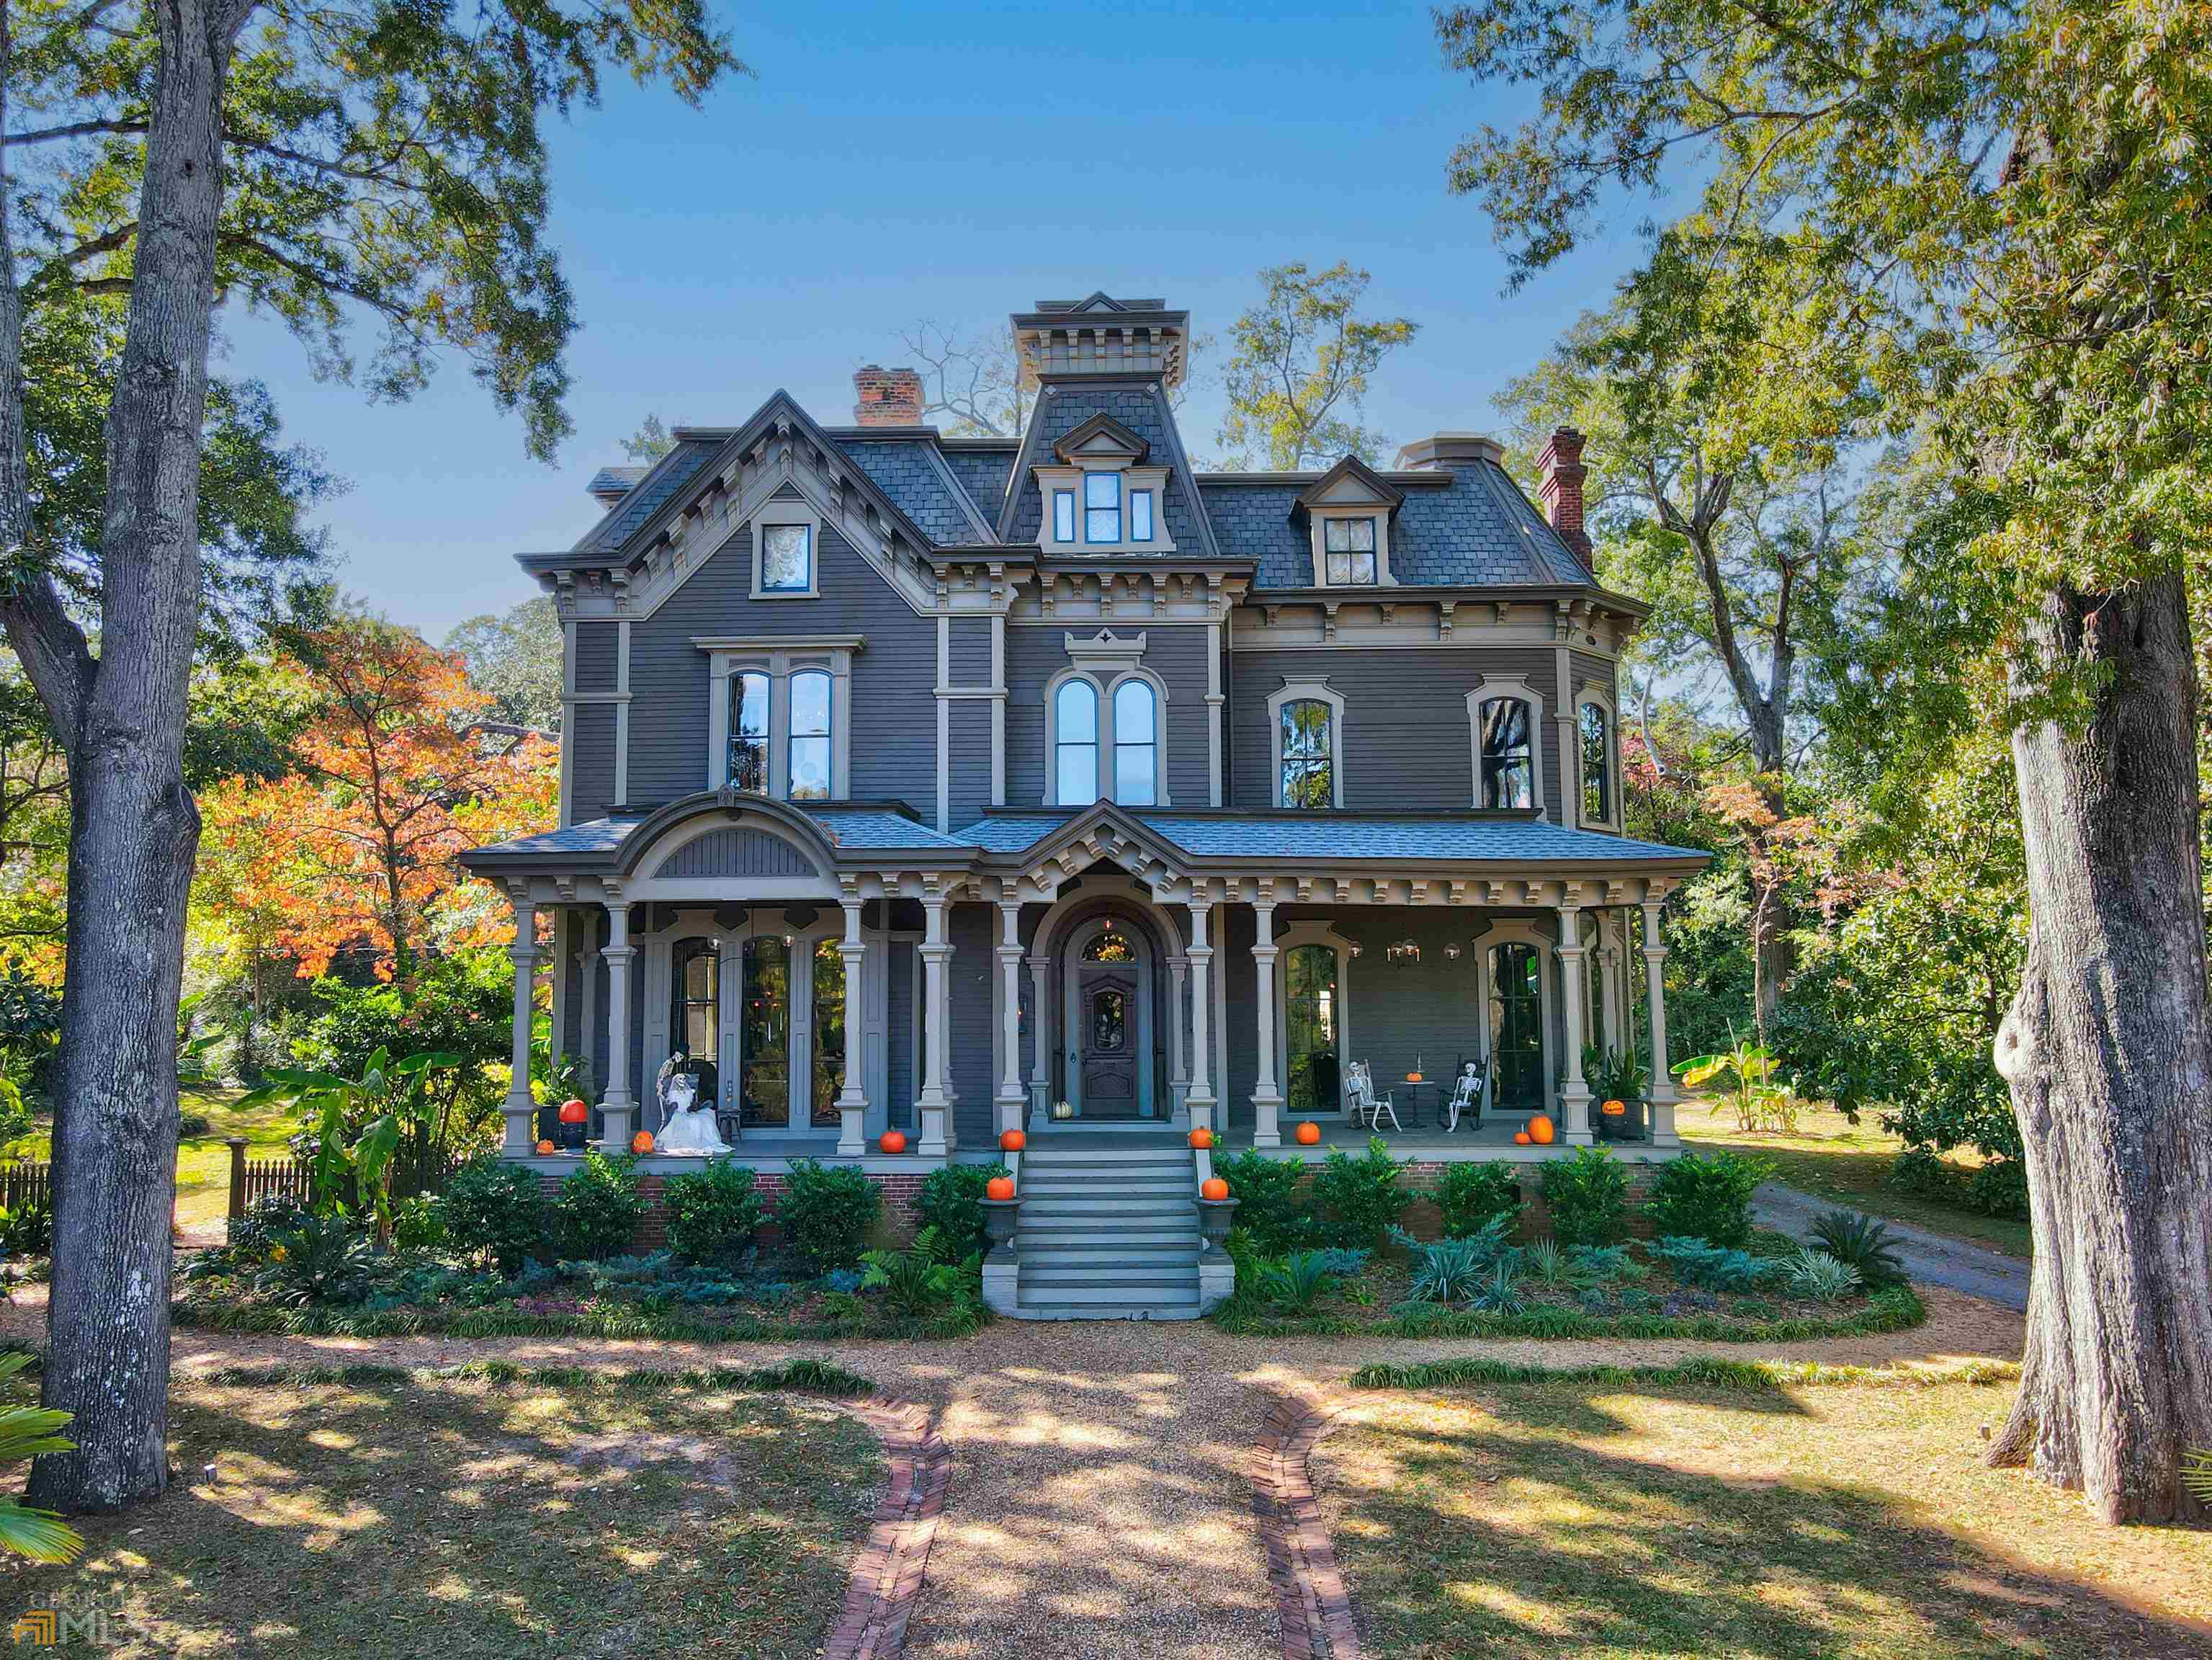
(1491,1140)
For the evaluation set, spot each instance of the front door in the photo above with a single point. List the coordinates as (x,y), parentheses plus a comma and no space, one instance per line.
(1516,1026)
(1107,1042)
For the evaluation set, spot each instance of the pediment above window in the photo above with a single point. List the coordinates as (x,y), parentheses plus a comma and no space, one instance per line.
(1351,484)
(1101,439)
(1348,512)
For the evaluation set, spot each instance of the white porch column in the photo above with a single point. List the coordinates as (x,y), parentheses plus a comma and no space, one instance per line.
(1200,1098)
(852,1093)
(618,1106)
(1178,1069)
(1266,1096)
(520,1109)
(1010,1093)
(1041,1065)
(1655,980)
(1574,990)
(933,1104)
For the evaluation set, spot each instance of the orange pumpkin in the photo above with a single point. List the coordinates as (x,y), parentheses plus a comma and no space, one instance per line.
(573,1112)
(1541,1131)
(1520,1138)
(1308,1134)
(892,1141)
(1012,1140)
(1201,1137)
(641,1142)
(999,1187)
(1213,1188)
(544,1148)
(1614,1108)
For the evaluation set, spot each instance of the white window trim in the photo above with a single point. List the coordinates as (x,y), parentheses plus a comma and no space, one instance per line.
(781,659)
(1052,478)
(1489,690)
(788,512)
(1303,689)
(1318,518)
(1595,696)
(1312,933)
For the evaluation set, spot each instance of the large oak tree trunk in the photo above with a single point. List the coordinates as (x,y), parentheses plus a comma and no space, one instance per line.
(134,827)
(2105,1050)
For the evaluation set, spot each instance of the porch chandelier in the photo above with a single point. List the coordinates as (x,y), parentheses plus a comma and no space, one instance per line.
(1406,951)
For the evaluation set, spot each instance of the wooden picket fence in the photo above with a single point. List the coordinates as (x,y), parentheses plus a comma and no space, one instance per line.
(23,1181)
(265,1178)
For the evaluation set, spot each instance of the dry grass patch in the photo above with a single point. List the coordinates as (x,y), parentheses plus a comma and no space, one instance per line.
(1754,1516)
(385,1518)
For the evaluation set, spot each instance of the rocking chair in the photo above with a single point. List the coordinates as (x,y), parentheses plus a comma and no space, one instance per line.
(1364,1104)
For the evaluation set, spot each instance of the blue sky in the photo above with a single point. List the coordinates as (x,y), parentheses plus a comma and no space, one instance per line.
(893,162)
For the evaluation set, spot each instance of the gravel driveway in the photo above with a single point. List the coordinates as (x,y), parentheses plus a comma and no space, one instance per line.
(1931,1259)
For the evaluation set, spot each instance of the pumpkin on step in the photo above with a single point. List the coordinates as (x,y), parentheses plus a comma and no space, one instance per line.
(1201,1137)
(641,1142)
(1012,1140)
(1308,1134)
(999,1187)
(1213,1188)
(1521,1138)
(545,1149)
(892,1141)
(1541,1131)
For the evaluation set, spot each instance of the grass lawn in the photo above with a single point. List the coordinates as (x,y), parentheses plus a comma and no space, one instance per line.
(1759,1518)
(1832,1157)
(395,1518)
(203,1161)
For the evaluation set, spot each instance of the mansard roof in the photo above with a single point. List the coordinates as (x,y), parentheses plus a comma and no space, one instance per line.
(1139,406)
(1327,488)
(914,472)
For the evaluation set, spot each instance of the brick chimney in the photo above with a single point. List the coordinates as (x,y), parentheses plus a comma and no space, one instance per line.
(1562,462)
(886,398)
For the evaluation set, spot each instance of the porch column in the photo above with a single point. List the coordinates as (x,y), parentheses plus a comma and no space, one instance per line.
(1041,1066)
(1200,1099)
(852,1094)
(933,1104)
(1574,1093)
(1612,984)
(1266,1097)
(1655,980)
(591,1024)
(1011,1094)
(618,1106)
(1178,1071)
(521,1110)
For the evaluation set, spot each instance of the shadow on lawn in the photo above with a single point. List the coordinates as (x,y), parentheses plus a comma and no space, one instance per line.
(1487,1526)
(398,1519)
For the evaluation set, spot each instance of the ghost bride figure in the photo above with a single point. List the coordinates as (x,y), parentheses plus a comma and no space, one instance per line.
(686,1126)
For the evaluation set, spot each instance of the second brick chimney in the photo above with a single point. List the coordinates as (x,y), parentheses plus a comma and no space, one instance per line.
(1562,489)
(886,398)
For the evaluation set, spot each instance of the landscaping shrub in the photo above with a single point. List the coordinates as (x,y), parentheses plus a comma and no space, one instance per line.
(1998,1188)
(1296,1283)
(712,1214)
(1359,1199)
(828,1212)
(918,1283)
(27,1229)
(1271,1205)
(491,1206)
(321,1259)
(1451,1270)
(1706,1198)
(1718,1267)
(1816,1274)
(418,1224)
(190,1124)
(1470,1195)
(1588,1198)
(1863,1242)
(252,1233)
(598,1208)
(951,1203)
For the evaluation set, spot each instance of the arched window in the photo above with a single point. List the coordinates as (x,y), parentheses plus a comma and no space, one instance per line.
(1108,947)
(810,736)
(1509,755)
(1136,744)
(1075,741)
(1597,764)
(696,1016)
(749,733)
(1309,778)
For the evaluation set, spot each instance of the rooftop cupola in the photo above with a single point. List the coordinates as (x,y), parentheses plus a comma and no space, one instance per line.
(1066,339)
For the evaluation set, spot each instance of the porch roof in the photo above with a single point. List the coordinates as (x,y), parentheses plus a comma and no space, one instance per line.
(1457,838)
(857,827)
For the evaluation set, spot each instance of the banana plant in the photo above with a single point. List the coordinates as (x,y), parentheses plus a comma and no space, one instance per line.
(350,1168)
(1760,1102)
(25,1433)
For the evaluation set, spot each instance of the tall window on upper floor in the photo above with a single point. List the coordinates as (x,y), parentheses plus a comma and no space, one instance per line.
(1075,744)
(1141,515)
(1309,754)
(787,558)
(1509,759)
(1102,507)
(749,733)
(1348,545)
(1136,744)
(1597,764)
(1063,516)
(810,736)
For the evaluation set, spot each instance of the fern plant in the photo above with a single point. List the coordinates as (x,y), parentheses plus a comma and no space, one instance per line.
(25,1433)
(2196,1473)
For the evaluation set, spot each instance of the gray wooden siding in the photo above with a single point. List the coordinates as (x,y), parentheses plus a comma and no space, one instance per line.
(591,761)
(736,853)
(1406,745)
(968,650)
(970,730)
(597,653)
(1177,652)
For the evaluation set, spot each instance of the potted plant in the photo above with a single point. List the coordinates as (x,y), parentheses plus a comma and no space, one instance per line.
(1002,1211)
(1617,1084)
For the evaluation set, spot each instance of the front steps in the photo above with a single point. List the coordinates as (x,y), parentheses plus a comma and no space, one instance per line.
(1107,1233)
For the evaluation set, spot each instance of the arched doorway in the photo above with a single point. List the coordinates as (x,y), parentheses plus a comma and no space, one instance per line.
(1107,1050)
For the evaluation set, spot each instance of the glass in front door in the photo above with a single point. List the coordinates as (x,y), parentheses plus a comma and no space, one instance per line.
(1516,1026)
(1108,1057)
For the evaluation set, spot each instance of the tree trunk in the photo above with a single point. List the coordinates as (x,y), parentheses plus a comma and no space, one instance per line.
(134,827)
(1770,944)
(2105,1051)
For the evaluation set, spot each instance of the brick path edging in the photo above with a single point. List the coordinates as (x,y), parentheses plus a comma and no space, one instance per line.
(886,1575)
(1311,1597)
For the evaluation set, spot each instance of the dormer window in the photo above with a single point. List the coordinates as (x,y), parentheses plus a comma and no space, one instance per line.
(1349,509)
(1102,507)
(1141,515)
(1063,516)
(1350,544)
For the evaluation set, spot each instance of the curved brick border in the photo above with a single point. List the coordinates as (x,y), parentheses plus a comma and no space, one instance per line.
(1310,1593)
(886,1575)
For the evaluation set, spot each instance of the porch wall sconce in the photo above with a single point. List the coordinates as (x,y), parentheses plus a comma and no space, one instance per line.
(1406,951)
(1451,951)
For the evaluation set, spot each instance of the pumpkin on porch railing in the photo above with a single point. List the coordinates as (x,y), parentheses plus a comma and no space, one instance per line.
(545,1149)
(892,1141)
(1201,1137)
(641,1143)
(1540,1130)
(1521,1138)
(1012,1140)
(1213,1188)
(574,1111)
(999,1187)
(1308,1134)
(1614,1109)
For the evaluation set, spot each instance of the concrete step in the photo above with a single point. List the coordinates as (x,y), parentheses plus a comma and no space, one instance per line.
(1175,1207)
(1035,1186)
(1103,1260)
(1027,1243)
(1137,1288)
(1139,1311)
(1039,1154)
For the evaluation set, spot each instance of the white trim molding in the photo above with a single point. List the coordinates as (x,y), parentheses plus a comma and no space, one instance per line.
(779,657)
(1595,696)
(1524,931)
(1106,663)
(1489,690)
(1302,688)
(788,511)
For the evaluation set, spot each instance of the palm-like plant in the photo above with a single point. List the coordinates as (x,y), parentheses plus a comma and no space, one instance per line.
(1760,1102)
(350,1168)
(1298,1280)
(1864,1243)
(25,1433)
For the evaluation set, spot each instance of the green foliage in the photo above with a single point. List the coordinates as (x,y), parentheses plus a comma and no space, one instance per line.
(350,1130)
(324,1258)
(1359,1199)
(1863,1241)
(494,1207)
(1816,1274)
(598,1208)
(1498,1292)
(1296,1283)
(915,1284)
(1706,1197)
(1614,1075)
(30,1034)
(1997,1187)
(27,1229)
(952,1204)
(1471,1196)
(418,1224)
(1448,1271)
(25,1433)
(712,1212)
(1760,1100)
(1718,1267)
(1588,1198)
(1271,1205)
(1298,368)
(515,660)
(827,1212)
(2196,1474)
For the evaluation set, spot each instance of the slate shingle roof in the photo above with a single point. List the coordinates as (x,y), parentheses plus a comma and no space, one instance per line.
(1139,408)
(984,472)
(1324,837)
(674,471)
(879,827)
(912,473)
